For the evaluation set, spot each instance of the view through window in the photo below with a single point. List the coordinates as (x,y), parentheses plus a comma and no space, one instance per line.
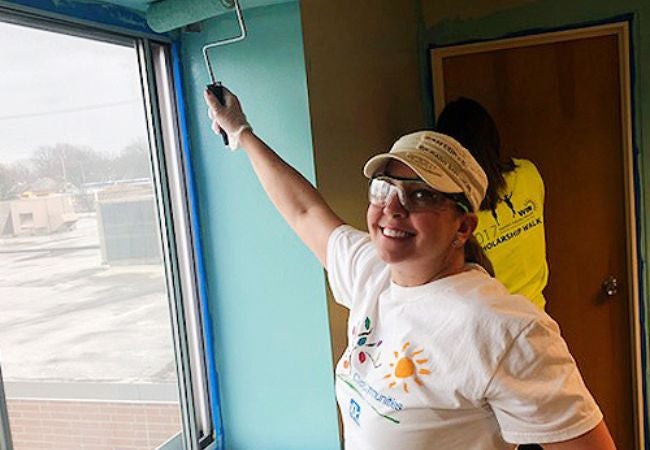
(86,345)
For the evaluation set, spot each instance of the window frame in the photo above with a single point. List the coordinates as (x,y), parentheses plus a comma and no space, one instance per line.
(196,373)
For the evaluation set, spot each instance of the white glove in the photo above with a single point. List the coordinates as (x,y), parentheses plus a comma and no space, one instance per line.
(228,117)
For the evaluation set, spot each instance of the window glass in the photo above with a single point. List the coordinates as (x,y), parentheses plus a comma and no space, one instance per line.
(86,340)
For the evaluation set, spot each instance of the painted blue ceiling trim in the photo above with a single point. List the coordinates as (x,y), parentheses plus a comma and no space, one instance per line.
(84,11)
(137,5)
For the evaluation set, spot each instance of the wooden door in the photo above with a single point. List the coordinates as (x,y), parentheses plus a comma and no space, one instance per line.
(560,103)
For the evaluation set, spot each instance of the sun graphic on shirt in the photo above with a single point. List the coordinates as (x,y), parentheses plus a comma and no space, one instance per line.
(406,367)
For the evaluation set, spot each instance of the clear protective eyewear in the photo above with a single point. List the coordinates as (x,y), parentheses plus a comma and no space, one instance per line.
(414,195)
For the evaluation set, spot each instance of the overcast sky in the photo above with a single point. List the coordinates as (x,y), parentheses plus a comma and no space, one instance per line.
(56,88)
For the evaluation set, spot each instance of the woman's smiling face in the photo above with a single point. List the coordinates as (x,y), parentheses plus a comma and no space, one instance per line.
(416,244)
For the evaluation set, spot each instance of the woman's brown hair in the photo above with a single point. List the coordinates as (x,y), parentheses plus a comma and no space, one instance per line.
(474,253)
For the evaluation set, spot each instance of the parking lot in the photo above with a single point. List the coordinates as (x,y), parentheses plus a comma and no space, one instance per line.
(67,317)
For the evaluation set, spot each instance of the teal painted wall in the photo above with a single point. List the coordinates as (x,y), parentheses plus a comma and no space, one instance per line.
(266,291)
(544,15)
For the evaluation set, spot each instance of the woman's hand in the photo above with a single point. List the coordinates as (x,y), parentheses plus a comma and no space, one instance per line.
(228,117)
(295,198)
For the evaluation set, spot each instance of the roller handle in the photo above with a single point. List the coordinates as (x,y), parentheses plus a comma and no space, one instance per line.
(217,90)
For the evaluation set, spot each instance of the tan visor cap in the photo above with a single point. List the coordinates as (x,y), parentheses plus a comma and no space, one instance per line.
(441,161)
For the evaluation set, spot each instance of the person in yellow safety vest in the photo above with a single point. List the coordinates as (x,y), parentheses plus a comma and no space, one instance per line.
(511,217)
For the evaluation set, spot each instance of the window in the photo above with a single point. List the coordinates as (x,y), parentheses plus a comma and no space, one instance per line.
(102,332)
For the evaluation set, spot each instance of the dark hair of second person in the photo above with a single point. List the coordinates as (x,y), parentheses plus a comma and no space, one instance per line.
(471,125)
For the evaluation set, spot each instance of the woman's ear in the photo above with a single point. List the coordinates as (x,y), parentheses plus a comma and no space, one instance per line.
(466,227)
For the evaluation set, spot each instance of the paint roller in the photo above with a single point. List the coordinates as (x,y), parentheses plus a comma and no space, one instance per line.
(167,15)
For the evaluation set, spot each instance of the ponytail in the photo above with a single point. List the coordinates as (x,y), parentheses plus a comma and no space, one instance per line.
(474,253)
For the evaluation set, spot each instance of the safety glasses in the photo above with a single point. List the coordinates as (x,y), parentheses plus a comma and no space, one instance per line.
(414,195)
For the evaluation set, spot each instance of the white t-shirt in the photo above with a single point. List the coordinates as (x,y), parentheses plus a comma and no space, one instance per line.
(455,364)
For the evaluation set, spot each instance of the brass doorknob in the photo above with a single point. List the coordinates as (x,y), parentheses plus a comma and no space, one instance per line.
(610,286)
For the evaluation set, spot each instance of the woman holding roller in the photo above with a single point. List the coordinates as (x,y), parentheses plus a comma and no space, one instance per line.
(451,360)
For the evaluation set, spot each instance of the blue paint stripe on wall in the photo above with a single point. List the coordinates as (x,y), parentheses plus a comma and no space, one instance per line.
(213,377)
(637,170)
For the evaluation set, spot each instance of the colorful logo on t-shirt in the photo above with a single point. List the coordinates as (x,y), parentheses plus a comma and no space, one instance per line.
(406,367)
(360,350)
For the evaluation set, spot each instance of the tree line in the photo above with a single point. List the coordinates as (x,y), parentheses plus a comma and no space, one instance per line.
(74,165)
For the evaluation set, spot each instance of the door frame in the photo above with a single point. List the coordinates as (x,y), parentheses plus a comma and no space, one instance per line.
(621,31)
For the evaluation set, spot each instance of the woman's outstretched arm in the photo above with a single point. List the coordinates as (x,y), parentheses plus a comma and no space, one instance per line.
(295,198)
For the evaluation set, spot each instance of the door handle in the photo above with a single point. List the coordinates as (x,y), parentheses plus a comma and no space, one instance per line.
(610,286)
(5,432)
